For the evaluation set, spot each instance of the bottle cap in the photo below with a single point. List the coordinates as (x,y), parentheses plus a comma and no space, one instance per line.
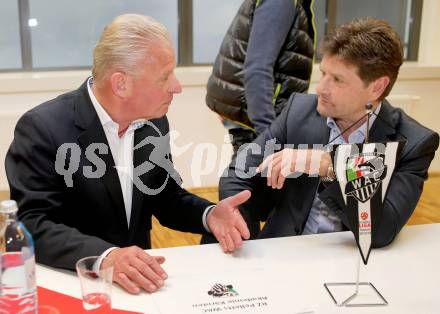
(8,206)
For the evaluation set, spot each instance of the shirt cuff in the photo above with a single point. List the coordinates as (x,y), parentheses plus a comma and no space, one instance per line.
(98,263)
(205,216)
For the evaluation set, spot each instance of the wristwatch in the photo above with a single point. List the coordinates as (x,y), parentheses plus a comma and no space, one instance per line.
(331,176)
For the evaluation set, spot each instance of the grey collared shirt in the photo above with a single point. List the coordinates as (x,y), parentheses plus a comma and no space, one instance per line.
(321,219)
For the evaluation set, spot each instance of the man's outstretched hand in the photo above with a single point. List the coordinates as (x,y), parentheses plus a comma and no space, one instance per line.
(226,222)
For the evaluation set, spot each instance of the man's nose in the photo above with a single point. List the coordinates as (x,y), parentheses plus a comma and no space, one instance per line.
(322,86)
(175,86)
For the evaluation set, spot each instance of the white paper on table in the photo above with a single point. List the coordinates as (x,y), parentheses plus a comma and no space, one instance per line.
(256,293)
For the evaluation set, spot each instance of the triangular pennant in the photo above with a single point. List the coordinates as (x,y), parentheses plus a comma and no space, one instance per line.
(364,172)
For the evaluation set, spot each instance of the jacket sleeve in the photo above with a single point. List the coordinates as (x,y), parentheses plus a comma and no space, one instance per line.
(403,193)
(41,195)
(241,174)
(175,207)
(180,209)
(270,26)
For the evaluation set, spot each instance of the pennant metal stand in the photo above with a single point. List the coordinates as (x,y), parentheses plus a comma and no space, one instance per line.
(350,301)
(363,172)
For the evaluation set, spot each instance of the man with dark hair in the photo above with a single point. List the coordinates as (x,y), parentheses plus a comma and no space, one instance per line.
(360,63)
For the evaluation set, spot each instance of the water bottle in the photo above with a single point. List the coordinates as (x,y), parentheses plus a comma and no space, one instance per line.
(18,292)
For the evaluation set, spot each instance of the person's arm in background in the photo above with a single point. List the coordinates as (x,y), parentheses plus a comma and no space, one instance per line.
(270,26)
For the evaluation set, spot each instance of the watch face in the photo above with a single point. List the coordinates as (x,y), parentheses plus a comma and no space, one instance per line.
(327,179)
(330,172)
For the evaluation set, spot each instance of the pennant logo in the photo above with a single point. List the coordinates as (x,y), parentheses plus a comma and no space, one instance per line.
(364,174)
(364,215)
(219,290)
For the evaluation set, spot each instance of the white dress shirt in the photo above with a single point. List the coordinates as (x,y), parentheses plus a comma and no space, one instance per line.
(120,147)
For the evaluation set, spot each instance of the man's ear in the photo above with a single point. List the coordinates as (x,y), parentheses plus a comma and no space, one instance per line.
(121,84)
(377,87)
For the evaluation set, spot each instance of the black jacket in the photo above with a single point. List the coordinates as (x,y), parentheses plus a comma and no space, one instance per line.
(68,223)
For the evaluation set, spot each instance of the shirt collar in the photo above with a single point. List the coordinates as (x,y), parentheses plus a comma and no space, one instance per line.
(360,131)
(104,116)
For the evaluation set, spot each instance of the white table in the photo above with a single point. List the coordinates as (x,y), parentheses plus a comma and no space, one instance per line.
(406,272)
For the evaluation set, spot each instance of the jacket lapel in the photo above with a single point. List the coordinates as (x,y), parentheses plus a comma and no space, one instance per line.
(308,185)
(87,119)
(139,156)
(384,127)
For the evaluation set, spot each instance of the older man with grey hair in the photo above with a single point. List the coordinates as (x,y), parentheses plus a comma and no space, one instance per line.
(90,167)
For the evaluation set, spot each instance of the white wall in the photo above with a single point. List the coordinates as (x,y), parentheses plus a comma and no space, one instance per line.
(199,128)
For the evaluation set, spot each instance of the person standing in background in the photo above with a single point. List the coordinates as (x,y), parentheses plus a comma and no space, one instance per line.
(266,55)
